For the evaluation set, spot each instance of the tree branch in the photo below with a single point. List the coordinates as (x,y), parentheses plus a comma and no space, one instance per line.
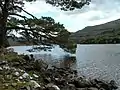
(17,27)
(18,15)
(25,11)
(22,28)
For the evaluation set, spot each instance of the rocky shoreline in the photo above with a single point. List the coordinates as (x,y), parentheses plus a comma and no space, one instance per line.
(24,73)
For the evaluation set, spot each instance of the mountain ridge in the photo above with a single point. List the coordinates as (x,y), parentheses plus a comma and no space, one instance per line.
(94,31)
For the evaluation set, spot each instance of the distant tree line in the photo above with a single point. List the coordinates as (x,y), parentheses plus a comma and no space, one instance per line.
(107,37)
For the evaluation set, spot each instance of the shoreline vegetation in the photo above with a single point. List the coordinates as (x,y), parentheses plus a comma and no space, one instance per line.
(101,40)
(93,37)
(22,72)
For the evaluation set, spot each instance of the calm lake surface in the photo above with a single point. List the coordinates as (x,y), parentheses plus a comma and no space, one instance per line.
(99,61)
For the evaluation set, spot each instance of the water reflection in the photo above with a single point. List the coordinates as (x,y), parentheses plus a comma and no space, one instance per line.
(68,62)
(62,62)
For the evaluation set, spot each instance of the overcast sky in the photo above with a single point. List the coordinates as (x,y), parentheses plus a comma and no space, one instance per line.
(99,11)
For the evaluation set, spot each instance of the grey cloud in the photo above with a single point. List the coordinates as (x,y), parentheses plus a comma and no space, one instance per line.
(95,18)
(108,8)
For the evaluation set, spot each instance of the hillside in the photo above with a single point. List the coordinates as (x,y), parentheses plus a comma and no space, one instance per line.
(110,29)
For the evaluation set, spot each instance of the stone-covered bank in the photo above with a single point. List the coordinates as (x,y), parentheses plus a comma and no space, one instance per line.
(19,72)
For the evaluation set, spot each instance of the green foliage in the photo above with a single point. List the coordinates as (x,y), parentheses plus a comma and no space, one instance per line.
(43,30)
(37,31)
(11,56)
(69,4)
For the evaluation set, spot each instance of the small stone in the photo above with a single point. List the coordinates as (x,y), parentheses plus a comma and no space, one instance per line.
(34,84)
(1,68)
(3,62)
(6,67)
(47,80)
(6,85)
(16,64)
(22,70)
(71,86)
(56,87)
(113,84)
(17,80)
(10,50)
(9,76)
(17,74)
(13,68)
(36,76)
(20,77)
(31,78)
(51,86)
(56,79)
(14,84)
(28,88)
(25,75)
(24,88)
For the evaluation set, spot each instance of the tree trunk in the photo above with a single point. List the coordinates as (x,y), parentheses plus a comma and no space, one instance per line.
(3,37)
(3,22)
(3,33)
